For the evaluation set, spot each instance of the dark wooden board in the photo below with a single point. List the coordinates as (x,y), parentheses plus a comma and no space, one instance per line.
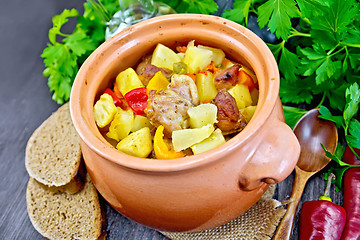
(25,102)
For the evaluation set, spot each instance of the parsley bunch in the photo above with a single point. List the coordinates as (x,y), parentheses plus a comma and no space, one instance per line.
(351,127)
(318,47)
(66,52)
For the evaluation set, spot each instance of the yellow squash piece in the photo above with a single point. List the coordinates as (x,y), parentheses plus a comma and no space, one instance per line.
(128,80)
(161,148)
(202,115)
(104,110)
(182,139)
(141,122)
(164,57)
(242,95)
(137,144)
(121,124)
(205,84)
(158,82)
(197,58)
(215,140)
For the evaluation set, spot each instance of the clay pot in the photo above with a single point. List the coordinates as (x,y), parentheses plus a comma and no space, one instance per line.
(197,192)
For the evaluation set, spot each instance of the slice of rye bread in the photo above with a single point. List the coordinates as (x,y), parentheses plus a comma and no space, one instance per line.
(62,215)
(53,155)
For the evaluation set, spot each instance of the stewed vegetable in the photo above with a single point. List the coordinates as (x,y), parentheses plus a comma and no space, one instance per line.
(177,103)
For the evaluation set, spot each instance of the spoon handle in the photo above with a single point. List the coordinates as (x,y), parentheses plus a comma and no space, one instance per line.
(284,230)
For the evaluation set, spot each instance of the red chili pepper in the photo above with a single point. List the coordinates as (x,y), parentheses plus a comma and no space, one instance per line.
(117,101)
(352,196)
(137,100)
(322,219)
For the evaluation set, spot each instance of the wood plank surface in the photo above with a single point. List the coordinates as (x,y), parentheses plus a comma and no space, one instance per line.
(25,102)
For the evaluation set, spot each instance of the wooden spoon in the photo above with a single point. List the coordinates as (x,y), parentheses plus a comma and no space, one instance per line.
(311,132)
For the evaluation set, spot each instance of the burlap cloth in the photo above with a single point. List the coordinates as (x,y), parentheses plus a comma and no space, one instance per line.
(259,222)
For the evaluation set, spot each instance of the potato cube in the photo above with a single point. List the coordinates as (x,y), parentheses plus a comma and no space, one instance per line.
(104,110)
(185,138)
(128,80)
(218,54)
(197,58)
(181,55)
(164,57)
(140,122)
(205,84)
(248,112)
(215,140)
(121,124)
(202,115)
(138,144)
(241,94)
(158,82)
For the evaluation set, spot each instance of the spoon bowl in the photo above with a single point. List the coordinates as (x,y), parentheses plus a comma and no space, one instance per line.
(311,131)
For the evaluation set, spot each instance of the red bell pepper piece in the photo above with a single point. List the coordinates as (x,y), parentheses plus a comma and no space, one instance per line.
(137,100)
(352,196)
(322,219)
(117,101)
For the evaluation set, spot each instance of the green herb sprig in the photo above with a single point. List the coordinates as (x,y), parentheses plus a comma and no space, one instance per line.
(66,52)
(318,51)
(351,128)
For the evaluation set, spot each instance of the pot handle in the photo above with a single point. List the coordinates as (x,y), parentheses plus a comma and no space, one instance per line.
(275,156)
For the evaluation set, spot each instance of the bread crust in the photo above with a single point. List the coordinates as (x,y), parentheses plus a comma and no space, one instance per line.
(65,216)
(53,154)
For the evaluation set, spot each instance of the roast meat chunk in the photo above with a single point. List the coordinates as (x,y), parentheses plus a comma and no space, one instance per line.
(185,86)
(227,78)
(146,70)
(228,116)
(169,109)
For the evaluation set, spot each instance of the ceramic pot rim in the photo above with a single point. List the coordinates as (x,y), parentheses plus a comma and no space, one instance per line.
(80,110)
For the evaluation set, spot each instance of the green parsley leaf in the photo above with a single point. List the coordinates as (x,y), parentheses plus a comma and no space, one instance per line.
(277,14)
(317,60)
(293,115)
(335,157)
(193,6)
(79,43)
(240,11)
(354,130)
(335,18)
(58,21)
(296,92)
(326,114)
(336,97)
(311,8)
(62,59)
(339,173)
(288,64)
(352,95)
